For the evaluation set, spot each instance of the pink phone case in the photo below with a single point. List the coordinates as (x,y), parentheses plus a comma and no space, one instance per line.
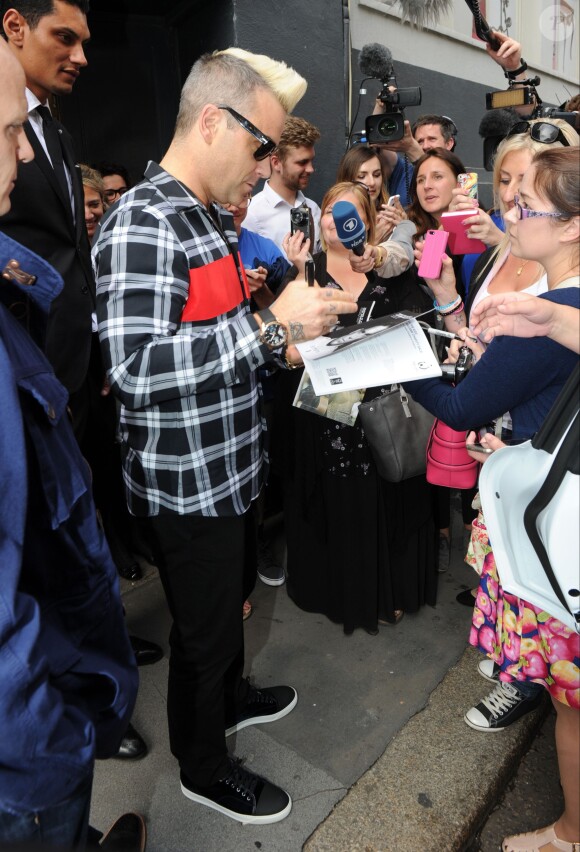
(459,242)
(433,251)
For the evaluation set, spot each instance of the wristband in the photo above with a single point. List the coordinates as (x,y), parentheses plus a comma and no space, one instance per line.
(456,301)
(511,75)
(289,364)
(457,310)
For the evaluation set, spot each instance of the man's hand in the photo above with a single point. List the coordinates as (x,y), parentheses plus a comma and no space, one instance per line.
(508,55)
(407,145)
(307,312)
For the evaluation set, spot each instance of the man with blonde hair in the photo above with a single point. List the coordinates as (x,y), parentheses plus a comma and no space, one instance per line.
(182,348)
(292,166)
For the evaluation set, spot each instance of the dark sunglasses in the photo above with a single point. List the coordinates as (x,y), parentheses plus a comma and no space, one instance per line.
(267,145)
(541,131)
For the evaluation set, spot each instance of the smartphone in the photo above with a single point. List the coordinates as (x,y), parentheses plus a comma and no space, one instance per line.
(433,251)
(301,220)
(393,200)
(477,448)
(468,183)
(309,272)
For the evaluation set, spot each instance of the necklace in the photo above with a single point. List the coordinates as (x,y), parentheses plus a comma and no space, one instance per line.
(519,271)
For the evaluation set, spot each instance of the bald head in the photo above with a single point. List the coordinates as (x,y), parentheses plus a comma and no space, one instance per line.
(14,146)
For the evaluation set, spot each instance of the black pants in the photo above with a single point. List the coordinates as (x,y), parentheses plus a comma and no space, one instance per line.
(207,567)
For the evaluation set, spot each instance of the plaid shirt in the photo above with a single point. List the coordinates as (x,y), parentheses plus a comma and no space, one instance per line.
(181,350)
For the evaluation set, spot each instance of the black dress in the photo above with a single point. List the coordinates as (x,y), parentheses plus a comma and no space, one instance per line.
(359,547)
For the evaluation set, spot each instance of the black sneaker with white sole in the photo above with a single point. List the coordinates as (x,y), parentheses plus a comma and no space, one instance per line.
(270,571)
(503,706)
(264,705)
(489,670)
(241,795)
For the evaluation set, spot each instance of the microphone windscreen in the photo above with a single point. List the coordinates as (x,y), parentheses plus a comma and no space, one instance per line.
(375,60)
(350,228)
(498,122)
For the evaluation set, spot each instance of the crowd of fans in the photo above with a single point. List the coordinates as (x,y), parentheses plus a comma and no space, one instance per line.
(167,360)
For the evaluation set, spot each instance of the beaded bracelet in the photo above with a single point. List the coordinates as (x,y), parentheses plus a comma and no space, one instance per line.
(457,310)
(452,304)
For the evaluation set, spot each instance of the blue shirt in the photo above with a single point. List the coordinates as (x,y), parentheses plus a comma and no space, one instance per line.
(256,250)
(67,671)
(520,375)
(400,180)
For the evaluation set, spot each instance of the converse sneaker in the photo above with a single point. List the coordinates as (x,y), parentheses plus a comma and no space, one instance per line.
(269,571)
(500,708)
(241,795)
(265,705)
(489,670)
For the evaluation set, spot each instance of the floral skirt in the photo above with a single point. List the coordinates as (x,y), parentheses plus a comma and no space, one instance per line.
(527,643)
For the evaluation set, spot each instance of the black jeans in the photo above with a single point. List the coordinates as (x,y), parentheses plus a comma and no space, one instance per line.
(208,568)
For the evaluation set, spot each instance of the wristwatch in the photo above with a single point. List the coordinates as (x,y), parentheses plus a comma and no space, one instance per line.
(273,333)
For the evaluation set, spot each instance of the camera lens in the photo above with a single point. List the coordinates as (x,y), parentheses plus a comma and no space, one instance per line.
(387,127)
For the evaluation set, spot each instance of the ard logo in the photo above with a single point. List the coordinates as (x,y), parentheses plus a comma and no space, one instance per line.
(350,224)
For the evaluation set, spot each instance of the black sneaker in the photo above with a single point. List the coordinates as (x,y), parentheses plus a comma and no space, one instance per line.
(500,708)
(270,571)
(489,670)
(241,795)
(265,705)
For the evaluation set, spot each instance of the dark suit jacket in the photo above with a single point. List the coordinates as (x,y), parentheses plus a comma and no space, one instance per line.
(41,219)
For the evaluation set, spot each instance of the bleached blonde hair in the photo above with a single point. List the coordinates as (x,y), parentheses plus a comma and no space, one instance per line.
(233,76)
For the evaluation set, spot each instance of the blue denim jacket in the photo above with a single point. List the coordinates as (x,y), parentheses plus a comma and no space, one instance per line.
(68,679)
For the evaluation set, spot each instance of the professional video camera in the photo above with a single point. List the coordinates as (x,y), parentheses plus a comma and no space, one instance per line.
(376,61)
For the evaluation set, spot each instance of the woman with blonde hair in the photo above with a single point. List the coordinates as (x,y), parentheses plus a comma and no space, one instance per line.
(95,202)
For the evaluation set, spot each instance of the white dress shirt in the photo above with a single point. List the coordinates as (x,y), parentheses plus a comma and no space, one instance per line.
(269,216)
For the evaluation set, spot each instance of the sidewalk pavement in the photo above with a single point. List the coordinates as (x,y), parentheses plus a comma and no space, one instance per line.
(375,756)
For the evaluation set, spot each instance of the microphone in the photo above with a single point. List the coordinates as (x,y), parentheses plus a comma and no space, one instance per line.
(351,231)
(493,127)
(375,60)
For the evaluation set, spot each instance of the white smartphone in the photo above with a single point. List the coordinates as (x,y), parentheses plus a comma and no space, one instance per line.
(392,200)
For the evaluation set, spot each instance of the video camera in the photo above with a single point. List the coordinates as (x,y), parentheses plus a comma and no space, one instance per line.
(376,61)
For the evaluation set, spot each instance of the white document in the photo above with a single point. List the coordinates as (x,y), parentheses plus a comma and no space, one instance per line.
(383,351)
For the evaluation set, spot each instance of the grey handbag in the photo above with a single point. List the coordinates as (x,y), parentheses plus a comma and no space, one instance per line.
(397,430)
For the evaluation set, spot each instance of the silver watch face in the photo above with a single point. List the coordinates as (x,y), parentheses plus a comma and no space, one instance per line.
(274,335)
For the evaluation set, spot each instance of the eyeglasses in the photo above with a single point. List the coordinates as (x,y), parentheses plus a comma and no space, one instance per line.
(540,131)
(111,194)
(525,213)
(267,145)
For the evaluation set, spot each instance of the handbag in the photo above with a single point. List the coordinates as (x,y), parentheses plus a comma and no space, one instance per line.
(530,497)
(396,429)
(448,462)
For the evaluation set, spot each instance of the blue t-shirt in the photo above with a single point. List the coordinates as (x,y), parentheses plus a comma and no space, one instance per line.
(256,250)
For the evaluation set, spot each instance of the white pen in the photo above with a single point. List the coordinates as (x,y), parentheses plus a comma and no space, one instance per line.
(449,334)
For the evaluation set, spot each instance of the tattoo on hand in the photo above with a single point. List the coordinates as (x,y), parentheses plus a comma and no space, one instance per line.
(296,330)
(460,320)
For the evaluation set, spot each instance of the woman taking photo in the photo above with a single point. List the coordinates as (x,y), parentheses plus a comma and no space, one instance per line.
(362,164)
(544,228)
(360,549)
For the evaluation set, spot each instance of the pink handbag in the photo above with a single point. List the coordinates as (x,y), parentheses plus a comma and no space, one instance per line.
(448,463)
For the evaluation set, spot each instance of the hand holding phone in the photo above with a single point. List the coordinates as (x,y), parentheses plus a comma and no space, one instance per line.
(433,251)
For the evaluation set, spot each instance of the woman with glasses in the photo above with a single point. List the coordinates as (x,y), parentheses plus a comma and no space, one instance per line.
(362,164)
(525,376)
(360,550)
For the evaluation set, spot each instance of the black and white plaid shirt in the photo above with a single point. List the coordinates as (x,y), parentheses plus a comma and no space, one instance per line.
(181,351)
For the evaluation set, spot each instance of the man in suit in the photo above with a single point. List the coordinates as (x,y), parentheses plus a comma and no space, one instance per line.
(48,37)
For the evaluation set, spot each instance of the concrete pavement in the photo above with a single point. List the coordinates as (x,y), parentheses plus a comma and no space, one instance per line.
(375,756)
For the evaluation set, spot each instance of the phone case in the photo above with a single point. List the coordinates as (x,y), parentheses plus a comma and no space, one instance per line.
(433,251)
(459,242)
(468,183)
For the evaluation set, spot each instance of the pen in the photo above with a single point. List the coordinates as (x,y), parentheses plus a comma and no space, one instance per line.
(448,334)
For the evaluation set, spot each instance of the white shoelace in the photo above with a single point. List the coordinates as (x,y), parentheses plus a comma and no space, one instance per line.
(501,699)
